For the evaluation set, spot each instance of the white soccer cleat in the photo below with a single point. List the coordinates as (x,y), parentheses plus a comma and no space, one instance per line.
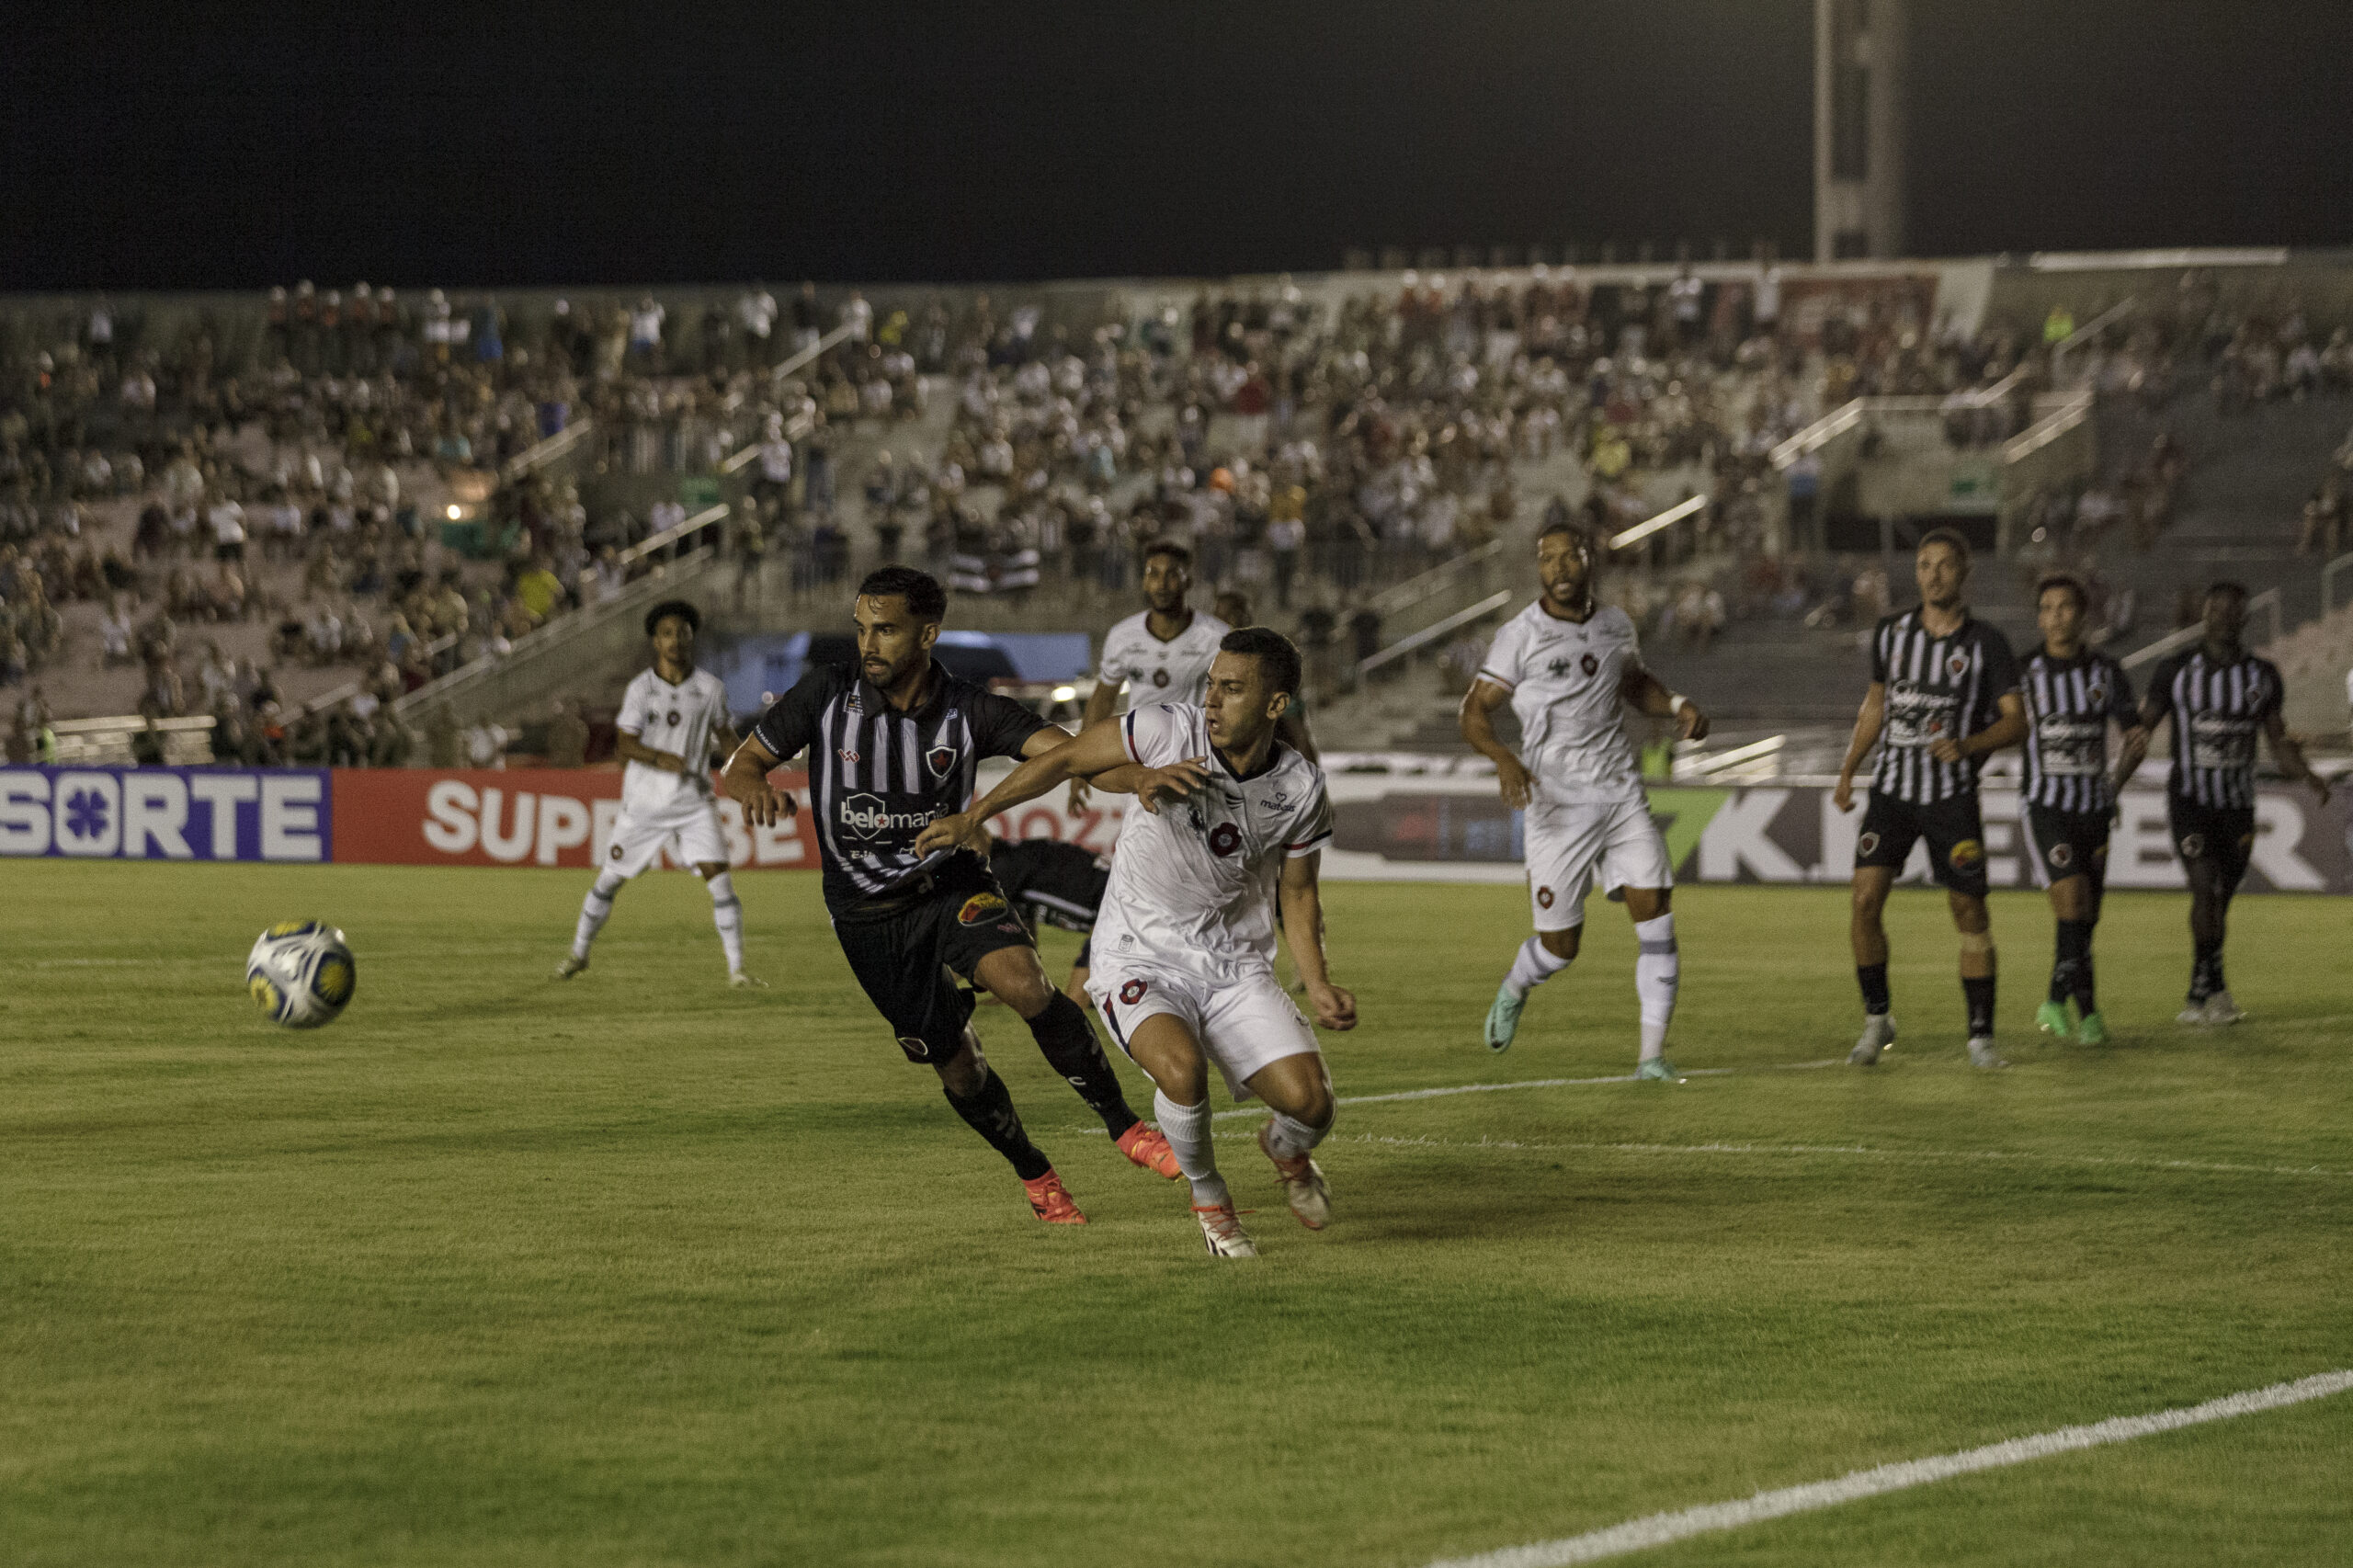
(2193,1013)
(1224,1232)
(1982,1054)
(1879,1033)
(1304,1189)
(2221,1009)
(570,966)
(743,982)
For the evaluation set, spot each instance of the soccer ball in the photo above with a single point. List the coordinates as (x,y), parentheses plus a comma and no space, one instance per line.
(301,974)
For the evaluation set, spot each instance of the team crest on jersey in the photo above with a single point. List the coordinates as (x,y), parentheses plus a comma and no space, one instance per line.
(1967,855)
(980,909)
(940,760)
(1160,677)
(2096,692)
(2060,853)
(617,851)
(2193,844)
(1543,898)
(1957,665)
(1133,993)
(674,718)
(1590,664)
(1225,839)
(1868,844)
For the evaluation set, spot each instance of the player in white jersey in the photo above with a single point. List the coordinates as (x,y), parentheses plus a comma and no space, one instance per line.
(672,717)
(1234,822)
(1568,667)
(1161,653)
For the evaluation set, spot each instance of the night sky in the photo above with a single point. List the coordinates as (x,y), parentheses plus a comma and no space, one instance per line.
(510,146)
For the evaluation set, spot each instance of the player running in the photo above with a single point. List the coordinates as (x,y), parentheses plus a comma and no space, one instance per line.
(1234,821)
(1051,881)
(2071,693)
(673,717)
(2217,696)
(1943,694)
(893,744)
(1568,666)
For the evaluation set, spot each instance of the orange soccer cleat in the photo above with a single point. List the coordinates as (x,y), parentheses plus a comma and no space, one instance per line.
(1051,1201)
(1148,1147)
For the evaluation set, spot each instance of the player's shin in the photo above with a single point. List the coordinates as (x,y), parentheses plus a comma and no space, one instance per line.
(2070,963)
(1531,967)
(988,1110)
(1187,1128)
(1658,972)
(1977,983)
(1068,1043)
(595,910)
(727,913)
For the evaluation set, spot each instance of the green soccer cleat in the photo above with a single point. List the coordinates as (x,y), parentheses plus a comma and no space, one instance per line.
(2092,1030)
(2051,1019)
(1502,1018)
(1658,1070)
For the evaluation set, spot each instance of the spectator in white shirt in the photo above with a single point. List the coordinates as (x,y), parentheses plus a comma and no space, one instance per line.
(228,522)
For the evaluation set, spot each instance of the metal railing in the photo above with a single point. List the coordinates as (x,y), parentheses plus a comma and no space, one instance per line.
(1429,634)
(1691,507)
(673,534)
(2090,329)
(2174,641)
(1437,580)
(2328,581)
(801,424)
(537,456)
(2041,434)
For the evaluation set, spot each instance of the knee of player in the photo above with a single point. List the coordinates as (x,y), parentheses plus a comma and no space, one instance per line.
(1562,944)
(1968,916)
(1315,1105)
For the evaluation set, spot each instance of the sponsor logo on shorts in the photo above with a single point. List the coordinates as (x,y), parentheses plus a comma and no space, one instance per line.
(1225,839)
(1967,855)
(1590,664)
(1543,898)
(913,1047)
(2193,844)
(940,760)
(980,909)
(2061,854)
(617,852)
(1866,844)
(1131,993)
(1010,928)
(863,816)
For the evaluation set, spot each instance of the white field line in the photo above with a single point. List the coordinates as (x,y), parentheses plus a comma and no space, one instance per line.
(1537,1083)
(1658,1529)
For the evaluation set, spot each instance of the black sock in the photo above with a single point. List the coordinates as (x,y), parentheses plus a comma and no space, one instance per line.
(1872,978)
(990,1113)
(2070,969)
(1979,994)
(1067,1040)
(2206,968)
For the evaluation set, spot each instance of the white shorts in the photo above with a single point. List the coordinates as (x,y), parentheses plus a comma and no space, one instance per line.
(687,826)
(1242,1023)
(1565,845)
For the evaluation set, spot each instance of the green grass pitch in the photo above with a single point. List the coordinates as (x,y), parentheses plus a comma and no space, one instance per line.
(640,1270)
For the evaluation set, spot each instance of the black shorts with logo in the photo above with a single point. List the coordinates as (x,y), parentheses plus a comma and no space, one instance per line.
(2224,834)
(1953,826)
(2066,844)
(903,950)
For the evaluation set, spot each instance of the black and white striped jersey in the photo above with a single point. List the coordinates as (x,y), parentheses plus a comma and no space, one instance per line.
(2216,706)
(1938,688)
(2068,705)
(877,776)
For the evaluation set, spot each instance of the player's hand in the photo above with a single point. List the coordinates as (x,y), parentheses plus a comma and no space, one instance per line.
(764,804)
(1842,796)
(669,762)
(1693,724)
(1519,788)
(1178,781)
(956,830)
(1079,792)
(1944,748)
(1335,1009)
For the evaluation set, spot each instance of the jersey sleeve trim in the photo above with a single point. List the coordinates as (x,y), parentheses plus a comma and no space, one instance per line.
(1128,734)
(1293,851)
(1508,684)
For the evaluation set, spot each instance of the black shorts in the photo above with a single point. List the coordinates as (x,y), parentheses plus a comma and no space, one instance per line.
(2066,844)
(904,956)
(2224,834)
(1086,953)
(1953,828)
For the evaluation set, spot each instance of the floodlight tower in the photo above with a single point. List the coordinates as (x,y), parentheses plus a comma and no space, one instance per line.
(1859,61)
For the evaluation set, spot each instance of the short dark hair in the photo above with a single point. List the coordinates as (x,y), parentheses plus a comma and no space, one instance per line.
(2237,589)
(679,607)
(1951,538)
(2068,581)
(1278,660)
(926,600)
(1171,549)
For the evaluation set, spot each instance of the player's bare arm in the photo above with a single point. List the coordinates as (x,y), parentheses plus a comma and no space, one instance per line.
(1479,705)
(746,781)
(2007,730)
(1868,721)
(1645,693)
(1051,758)
(1099,704)
(2129,756)
(629,748)
(2290,754)
(1301,898)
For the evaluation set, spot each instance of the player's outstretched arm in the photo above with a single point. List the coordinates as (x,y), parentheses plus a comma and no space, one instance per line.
(1303,903)
(1868,721)
(1648,694)
(1099,703)
(1098,749)
(2289,753)
(2007,730)
(629,748)
(747,783)
(1479,705)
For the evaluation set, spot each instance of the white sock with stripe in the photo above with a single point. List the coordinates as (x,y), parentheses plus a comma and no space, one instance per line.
(727,913)
(1658,971)
(1187,1128)
(595,910)
(1532,967)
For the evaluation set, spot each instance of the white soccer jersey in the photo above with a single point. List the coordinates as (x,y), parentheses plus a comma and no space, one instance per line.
(1175,671)
(682,719)
(1193,885)
(1565,679)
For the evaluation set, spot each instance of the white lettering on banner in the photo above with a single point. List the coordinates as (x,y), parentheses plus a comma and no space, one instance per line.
(1737,834)
(1839,832)
(779,845)
(221,795)
(289,818)
(449,816)
(24,813)
(155,811)
(563,824)
(731,828)
(89,814)
(2278,832)
(604,814)
(505,848)
(2139,847)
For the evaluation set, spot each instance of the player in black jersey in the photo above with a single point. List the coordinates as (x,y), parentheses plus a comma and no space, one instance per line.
(1053,882)
(1943,695)
(2071,695)
(893,744)
(2217,697)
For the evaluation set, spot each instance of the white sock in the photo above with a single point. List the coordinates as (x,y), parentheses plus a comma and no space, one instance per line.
(727,913)
(1187,1128)
(1657,972)
(1534,966)
(595,910)
(1291,1138)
